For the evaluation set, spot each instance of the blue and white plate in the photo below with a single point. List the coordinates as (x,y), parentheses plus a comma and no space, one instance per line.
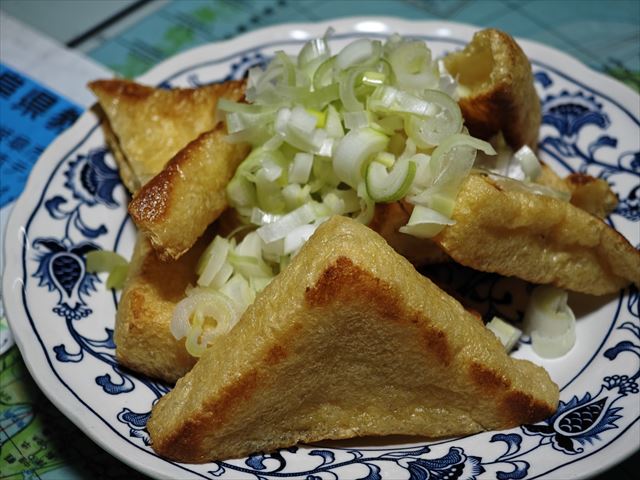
(62,316)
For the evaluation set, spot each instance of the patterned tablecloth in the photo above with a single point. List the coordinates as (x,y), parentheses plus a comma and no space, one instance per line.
(36,440)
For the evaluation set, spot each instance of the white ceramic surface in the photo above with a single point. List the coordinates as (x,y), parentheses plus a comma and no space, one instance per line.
(63,317)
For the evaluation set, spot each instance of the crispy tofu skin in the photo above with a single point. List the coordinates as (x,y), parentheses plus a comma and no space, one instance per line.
(347,303)
(537,238)
(147,126)
(178,204)
(500,96)
(143,340)
(151,292)
(389,217)
(591,194)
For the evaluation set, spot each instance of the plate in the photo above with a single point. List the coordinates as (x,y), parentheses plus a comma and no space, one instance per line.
(62,316)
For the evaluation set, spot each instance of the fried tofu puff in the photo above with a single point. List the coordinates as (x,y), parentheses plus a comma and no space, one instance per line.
(503,229)
(146,126)
(497,90)
(347,303)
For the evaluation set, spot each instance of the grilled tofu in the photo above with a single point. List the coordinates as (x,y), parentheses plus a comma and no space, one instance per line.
(347,317)
(497,90)
(146,126)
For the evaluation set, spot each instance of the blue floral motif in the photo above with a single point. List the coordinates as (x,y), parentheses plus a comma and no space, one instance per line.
(61,268)
(91,180)
(520,468)
(137,423)
(61,264)
(454,465)
(578,423)
(629,206)
(568,113)
(581,421)
(542,78)
(240,68)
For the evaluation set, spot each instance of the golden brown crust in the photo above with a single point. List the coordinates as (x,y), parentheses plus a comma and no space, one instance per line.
(175,207)
(147,126)
(537,238)
(501,96)
(153,288)
(591,194)
(347,303)
(551,179)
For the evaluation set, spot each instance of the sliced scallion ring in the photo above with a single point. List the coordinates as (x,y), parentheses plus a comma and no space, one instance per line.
(550,322)
(353,150)
(386,186)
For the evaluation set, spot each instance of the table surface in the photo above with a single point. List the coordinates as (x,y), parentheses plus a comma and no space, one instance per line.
(128,37)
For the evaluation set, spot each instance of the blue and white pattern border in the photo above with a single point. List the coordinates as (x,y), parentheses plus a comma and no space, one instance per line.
(82,207)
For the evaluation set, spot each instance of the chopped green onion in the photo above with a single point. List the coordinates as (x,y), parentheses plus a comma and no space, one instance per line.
(107,261)
(529,163)
(425,222)
(352,152)
(360,52)
(526,187)
(506,333)
(412,66)
(201,316)
(373,78)
(389,186)
(300,169)
(550,322)
(281,227)
(212,260)
(331,134)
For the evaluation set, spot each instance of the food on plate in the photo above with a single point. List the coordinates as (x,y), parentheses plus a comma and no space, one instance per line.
(387,220)
(499,227)
(152,289)
(312,150)
(502,227)
(497,94)
(591,194)
(175,207)
(151,292)
(147,126)
(348,340)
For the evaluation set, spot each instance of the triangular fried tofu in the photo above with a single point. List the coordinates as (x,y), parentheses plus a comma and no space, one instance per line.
(153,288)
(147,126)
(499,94)
(348,340)
(176,206)
(503,229)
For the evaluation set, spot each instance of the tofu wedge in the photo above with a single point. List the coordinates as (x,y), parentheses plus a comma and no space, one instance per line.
(177,205)
(152,290)
(497,90)
(347,317)
(541,239)
(147,126)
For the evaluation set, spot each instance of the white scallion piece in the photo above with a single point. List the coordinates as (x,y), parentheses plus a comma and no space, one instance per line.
(284,225)
(506,333)
(425,222)
(550,322)
(528,162)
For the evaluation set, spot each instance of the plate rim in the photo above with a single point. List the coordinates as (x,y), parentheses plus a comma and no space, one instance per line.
(88,122)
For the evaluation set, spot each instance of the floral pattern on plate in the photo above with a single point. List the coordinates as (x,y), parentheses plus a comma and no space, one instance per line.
(63,316)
